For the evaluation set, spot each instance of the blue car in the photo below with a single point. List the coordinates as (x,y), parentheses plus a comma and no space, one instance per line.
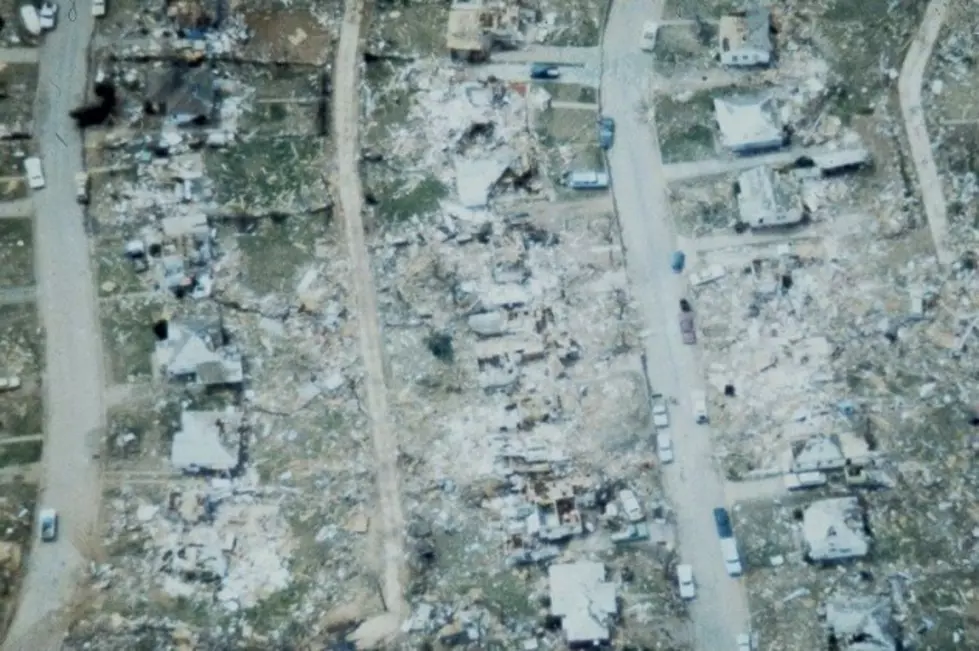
(723,522)
(544,71)
(606,132)
(679,259)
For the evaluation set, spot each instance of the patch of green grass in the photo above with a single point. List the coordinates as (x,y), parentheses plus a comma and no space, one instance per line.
(13,189)
(388,105)
(128,338)
(567,127)
(16,252)
(112,266)
(21,413)
(271,175)
(579,23)
(705,9)
(412,198)
(685,128)
(569,92)
(417,30)
(17,454)
(282,118)
(678,45)
(278,251)
(142,428)
(21,342)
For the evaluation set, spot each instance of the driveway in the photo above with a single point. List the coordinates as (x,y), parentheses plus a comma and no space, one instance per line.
(73,381)
(692,482)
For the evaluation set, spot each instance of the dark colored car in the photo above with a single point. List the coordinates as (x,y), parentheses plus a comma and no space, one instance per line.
(678,261)
(684,305)
(723,523)
(606,132)
(544,71)
(687,329)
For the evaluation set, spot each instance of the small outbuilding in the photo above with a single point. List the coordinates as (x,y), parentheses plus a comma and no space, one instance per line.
(745,39)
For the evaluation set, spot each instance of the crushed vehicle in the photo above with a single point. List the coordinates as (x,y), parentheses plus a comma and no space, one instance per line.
(687,329)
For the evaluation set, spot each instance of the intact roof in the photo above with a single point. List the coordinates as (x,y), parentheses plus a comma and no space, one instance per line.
(758,21)
(833,528)
(199,444)
(748,120)
(582,599)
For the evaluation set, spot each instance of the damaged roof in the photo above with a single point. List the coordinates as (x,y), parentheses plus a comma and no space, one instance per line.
(583,600)
(207,440)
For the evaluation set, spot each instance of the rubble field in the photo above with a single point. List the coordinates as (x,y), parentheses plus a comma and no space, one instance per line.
(560,92)
(17,500)
(949,99)
(572,23)
(12,155)
(416,30)
(16,253)
(115,274)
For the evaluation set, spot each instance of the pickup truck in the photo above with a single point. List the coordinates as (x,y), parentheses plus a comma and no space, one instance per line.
(687,329)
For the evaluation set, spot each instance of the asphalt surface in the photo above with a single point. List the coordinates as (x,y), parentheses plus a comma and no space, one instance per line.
(73,380)
(693,483)
(909,91)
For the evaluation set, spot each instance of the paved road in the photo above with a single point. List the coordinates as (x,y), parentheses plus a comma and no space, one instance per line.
(568,56)
(694,486)
(909,90)
(73,378)
(389,519)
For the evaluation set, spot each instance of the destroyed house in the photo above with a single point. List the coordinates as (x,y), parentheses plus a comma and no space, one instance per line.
(196,352)
(745,39)
(183,95)
(208,441)
(861,623)
(835,530)
(584,602)
(832,452)
(749,123)
(474,26)
(767,200)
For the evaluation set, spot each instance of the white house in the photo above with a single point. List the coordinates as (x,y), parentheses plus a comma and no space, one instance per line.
(749,123)
(833,530)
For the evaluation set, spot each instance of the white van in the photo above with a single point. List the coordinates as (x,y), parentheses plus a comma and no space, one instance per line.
(732,559)
(648,39)
(699,400)
(35,177)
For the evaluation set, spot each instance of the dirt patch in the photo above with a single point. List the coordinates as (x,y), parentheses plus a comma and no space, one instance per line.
(289,36)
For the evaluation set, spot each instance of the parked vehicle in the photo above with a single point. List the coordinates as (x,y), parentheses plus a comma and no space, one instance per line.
(729,546)
(586,180)
(678,261)
(98,8)
(664,445)
(30,20)
(81,187)
(732,559)
(630,506)
(661,418)
(544,71)
(35,177)
(48,521)
(687,329)
(606,132)
(648,39)
(684,579)
(722,522)
(685,305)
(48,15)
(699,400)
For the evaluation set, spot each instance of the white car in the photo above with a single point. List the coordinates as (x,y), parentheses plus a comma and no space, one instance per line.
(630,506)
(48,15)
(47,519)
(664,446)
(81,187)
(684,579)
(35,176)
(98,8)
(661,418)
